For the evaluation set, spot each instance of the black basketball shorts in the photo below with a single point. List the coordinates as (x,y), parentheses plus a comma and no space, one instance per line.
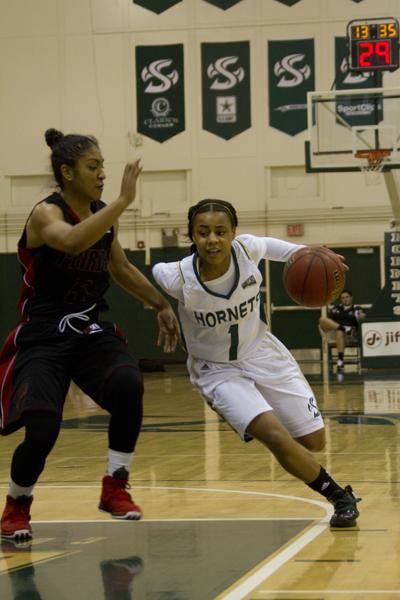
(38,362)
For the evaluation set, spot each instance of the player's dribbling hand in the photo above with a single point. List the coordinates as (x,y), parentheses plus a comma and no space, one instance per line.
(342,258)
(129,179)
(169,333)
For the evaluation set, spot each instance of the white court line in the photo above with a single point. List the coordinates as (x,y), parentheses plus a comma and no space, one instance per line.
(323,505)
(261,574)
(141,521)
(266,570)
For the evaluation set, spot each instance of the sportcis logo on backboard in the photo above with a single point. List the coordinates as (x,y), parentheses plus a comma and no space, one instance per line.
(286,67)
(160,91)
(354,111)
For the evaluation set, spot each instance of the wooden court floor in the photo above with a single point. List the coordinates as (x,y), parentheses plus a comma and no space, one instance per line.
(221,518)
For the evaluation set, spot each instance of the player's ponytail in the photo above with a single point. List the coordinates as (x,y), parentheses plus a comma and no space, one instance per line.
(53,136)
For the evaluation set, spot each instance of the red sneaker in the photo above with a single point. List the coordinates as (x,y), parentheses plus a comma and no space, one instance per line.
(115,499)
(15,518)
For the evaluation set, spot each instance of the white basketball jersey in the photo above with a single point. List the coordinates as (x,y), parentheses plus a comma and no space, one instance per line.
(219,327)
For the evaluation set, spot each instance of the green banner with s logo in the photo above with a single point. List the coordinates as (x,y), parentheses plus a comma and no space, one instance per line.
(224,4)
(225,70)
(288,2)
(157,6)
(291,76)
(160,91)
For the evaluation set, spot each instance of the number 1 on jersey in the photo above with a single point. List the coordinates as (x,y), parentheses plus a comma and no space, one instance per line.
(234,333)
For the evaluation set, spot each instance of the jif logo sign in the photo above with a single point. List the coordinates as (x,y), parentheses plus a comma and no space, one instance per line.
(381,339)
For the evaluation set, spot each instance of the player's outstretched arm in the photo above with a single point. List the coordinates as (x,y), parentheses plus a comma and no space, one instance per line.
(47,226)
(128,277)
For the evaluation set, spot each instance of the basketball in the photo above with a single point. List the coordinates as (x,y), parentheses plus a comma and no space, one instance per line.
(314,277)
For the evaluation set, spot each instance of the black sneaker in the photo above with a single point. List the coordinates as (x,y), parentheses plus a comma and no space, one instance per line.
(345,505)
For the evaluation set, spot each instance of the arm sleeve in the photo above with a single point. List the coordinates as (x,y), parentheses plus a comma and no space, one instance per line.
(267,247)
(168,277)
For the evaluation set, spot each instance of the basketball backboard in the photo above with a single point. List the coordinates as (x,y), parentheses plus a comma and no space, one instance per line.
(345,125)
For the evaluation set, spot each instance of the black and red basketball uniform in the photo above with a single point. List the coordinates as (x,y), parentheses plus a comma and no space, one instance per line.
(59,337)
(346,315)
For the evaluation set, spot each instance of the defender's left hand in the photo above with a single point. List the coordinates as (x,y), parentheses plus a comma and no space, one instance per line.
(169,332)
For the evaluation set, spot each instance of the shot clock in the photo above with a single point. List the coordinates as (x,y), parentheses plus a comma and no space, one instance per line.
(373,44)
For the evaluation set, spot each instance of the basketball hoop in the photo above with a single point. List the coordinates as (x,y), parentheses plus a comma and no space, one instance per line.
(375,163)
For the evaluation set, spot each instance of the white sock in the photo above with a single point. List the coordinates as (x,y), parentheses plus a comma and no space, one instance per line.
(116,460)
(15,490)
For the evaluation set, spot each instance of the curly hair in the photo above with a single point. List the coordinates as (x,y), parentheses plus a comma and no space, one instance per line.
(66,150)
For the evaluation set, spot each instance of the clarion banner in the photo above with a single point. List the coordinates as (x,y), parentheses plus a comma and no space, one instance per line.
(226,88)
(291,76)
(160,91)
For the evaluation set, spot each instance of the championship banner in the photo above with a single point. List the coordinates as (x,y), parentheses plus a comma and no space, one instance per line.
(157,6)
(363,110)
(226,88)
(288,2)
(291,76)
(160,91)
(224,4)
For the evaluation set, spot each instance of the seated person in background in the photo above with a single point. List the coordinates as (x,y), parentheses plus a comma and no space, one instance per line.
(341,324)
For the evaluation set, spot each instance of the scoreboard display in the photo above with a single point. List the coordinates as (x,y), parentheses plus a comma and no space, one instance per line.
(373,44)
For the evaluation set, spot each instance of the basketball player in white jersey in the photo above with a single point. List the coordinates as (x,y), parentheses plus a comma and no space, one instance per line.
(243,371)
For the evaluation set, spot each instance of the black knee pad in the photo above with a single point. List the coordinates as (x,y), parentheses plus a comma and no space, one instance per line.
(41,430)
(122,398)
(123,389)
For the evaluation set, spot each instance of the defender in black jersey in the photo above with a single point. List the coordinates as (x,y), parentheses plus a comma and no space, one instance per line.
(67,251)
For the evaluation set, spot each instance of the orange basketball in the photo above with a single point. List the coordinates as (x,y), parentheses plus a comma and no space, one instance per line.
(314,277)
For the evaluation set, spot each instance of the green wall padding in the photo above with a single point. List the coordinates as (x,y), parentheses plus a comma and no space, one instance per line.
(296,329)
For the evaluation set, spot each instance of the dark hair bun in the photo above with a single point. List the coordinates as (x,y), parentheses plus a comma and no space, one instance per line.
(53,136)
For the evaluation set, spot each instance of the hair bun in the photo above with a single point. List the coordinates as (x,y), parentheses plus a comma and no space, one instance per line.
(53,136)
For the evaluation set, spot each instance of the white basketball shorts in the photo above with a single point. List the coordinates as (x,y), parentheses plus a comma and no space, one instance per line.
(269,380)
